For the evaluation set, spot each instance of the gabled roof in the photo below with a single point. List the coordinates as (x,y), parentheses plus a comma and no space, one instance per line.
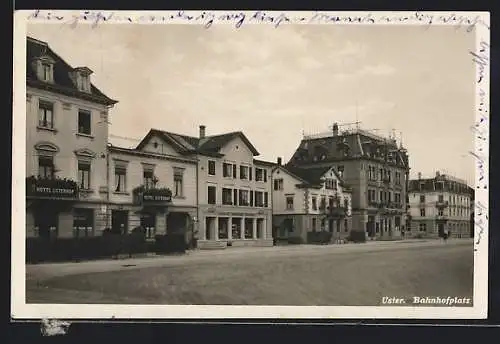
(209,145)
(312,176)
(62,81)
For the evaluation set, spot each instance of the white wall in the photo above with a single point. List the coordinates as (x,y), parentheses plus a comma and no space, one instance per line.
(289,189)
(163,170)
(66,138)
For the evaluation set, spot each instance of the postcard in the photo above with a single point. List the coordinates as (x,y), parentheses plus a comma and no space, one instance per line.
(250,164)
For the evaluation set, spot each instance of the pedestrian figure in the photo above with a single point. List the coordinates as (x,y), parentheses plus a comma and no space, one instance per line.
(445,236)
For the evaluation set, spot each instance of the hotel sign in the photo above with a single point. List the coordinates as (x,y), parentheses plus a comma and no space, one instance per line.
(156,198)
(56,188)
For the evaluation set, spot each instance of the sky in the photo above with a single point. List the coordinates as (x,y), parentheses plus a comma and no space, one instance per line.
(275,84)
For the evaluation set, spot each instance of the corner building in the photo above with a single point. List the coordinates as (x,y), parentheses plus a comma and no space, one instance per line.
(66,147)
(439,205)
(375,168)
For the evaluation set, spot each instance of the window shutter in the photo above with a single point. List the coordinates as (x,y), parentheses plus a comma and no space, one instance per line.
(250,169)
(265,199)
(265,176)
(235,201)
(251,198)
(234,171)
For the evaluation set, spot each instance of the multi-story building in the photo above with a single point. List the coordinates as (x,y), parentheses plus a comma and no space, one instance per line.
(66,146)
(376,169)
(155,190)
(233,188)
(440,205)
(309,200)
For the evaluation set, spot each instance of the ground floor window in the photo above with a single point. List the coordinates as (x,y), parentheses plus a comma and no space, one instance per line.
(422,227)
(248,228)
(46,222)
(223,227)
(148,222)
(83,222)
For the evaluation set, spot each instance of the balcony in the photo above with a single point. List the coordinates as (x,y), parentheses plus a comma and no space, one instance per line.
(153,196)
(441,218)
(441,204)
(332,210)
(55,188)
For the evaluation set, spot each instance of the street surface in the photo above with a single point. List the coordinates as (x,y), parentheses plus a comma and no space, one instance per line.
(340,275)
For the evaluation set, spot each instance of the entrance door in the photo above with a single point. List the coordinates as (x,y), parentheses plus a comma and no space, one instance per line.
(148,222)
(46,222)
(330,225)
(119,221)
(441,230)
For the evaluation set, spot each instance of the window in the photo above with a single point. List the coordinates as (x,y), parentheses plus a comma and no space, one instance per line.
(148,179)
(314,203)
(289,202)
(422,227)
(46,115)
(84,175)
(178,177)
(330,184)
(266,199)
(422,212)
(211,168)
(227,196)
(244,172)
(244,198)
(371,196)
(440,198)
(235,197)
(398,178)
(120,179)
(227,170)
(313,224)
(340,170)
(260,175)
(381,196)
(278,184)
(83,222)
(46,167)
(85,86)
(212,194)
(46,72)
(259,199)
(84,122)
(422,198)
(440,212)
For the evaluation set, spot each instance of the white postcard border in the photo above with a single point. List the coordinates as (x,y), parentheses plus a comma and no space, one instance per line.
(471,21)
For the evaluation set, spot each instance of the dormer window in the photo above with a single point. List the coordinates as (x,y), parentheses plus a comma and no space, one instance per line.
(44,66)
(81,77)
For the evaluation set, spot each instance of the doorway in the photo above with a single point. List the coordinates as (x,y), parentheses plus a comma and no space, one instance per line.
(440,230)
(119,221)
(148,222)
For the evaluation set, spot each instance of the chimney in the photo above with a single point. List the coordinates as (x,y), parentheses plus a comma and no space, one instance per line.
(437,174)
(279,161)
(202,131)
(419,175)
(335,129)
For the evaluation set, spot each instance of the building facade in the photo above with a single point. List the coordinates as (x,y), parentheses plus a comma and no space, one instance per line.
(440,205)
(233,188)
(376,169)
(152,190)
(66,146)
(310,200)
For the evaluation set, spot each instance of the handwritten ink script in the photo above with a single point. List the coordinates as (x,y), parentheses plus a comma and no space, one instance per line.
(208,18)
(481,130)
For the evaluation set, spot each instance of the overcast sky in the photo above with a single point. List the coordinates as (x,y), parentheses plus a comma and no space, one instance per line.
(273,84)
